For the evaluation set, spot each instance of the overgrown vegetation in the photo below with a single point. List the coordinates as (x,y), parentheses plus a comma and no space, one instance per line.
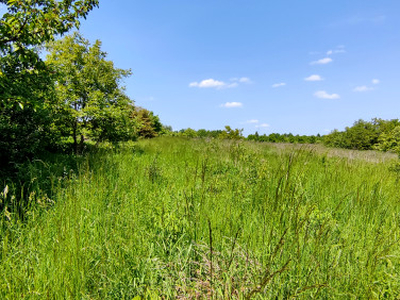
(188,218)
(73,98)
(87,212)
(363,135)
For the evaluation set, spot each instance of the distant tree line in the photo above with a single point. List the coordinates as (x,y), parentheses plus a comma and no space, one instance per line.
(285,138)
(227,133)
(377,134)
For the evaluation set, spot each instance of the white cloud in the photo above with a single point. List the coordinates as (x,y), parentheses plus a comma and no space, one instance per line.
(362,88)
(322,61)
(313,78)
(375,81)
(278,84)
(211,83)
(263,125)
(252,121)
(325,95)
(208,83)
(232,104)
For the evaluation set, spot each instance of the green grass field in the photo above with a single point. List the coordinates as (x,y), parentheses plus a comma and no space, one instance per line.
(177,218)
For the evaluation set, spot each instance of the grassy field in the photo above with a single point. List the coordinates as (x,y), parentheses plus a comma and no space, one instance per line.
(176,218)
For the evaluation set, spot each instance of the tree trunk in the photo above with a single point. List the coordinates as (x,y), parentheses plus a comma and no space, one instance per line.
(81,144)
(75,138)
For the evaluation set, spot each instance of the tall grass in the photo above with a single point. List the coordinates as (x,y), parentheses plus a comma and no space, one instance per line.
(176,218)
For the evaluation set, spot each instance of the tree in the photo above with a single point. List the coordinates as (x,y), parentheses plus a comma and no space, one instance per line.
(25,80)
(91,103)
(190,133)
(390,141)
(361,136)
(149,125)
(232,134)
(26,25)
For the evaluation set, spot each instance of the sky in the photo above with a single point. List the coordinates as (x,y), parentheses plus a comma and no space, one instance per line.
(301,67)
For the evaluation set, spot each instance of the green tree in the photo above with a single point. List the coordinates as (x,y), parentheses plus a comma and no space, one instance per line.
(232,134)
(26,25)
(91,103)
(390,141)
(25,80)
(149,125)
(361,136)
(189,132)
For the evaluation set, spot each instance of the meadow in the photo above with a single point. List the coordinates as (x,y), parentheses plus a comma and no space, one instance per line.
(197,218)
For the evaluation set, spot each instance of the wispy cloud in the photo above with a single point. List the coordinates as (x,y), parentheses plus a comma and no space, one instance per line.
(263,125)
(322,61)
(276,85)
(314,77)
(242,80)
(232,104)
(253,121)
(375,81)
(212,83)
(362,88)
(325,95)
(330,52)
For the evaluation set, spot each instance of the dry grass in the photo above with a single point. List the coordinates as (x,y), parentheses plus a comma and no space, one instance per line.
(366,155)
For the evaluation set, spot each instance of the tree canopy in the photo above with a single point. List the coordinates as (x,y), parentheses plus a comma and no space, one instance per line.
(90,101)
(26,25)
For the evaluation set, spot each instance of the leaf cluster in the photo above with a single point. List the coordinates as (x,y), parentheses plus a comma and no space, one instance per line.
(365,135)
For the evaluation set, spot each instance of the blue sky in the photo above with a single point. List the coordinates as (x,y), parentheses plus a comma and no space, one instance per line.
(304,67)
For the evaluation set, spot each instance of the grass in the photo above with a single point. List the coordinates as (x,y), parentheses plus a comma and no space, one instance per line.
(177,218)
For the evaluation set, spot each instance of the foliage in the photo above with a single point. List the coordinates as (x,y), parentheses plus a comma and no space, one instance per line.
(284,138)
(23,134)
(25,80)
(390,141)
(363,135)
(205,218)
(26,25)
(201,133)
(148,124)
(91,103)
(227,133)
(231,134)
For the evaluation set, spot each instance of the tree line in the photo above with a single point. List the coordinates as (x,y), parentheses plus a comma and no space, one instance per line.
(377,134)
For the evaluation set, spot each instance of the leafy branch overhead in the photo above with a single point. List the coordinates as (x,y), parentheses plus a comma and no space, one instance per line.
(33,22)
(24,27)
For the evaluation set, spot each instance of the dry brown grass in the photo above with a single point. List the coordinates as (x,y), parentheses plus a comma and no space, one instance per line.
(366,155)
